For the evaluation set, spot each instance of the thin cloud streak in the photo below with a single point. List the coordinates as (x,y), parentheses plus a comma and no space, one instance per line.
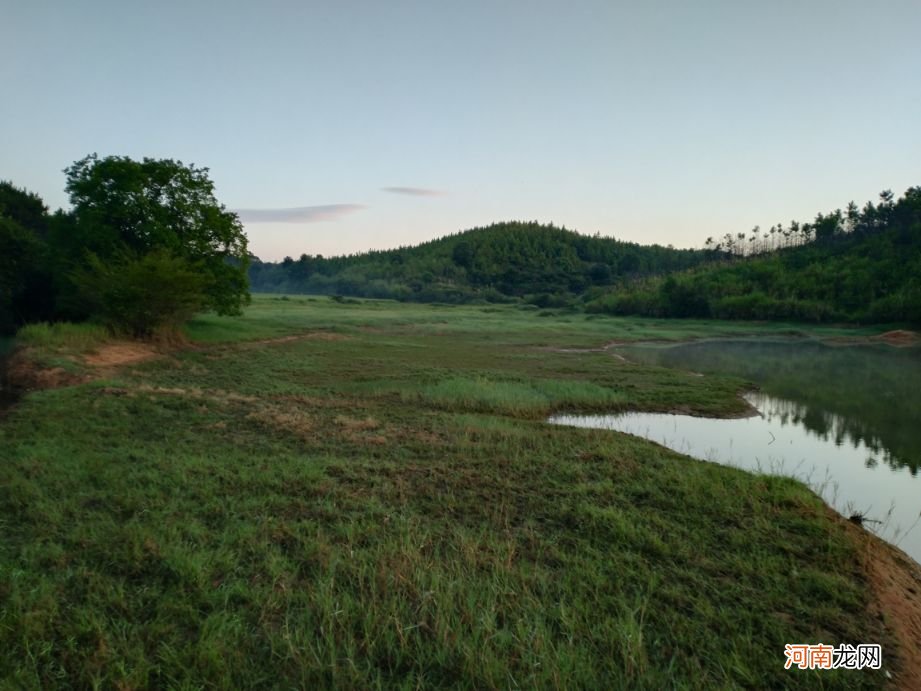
(414,191)
(299,214)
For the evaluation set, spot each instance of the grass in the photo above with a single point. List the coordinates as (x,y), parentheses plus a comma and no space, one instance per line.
(378,504)
(522,398)
(62,336)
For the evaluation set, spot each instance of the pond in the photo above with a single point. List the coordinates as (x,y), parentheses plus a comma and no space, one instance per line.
(844,419)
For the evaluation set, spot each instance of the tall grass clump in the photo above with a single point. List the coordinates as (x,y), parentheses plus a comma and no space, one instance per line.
(62,335)
(523,398)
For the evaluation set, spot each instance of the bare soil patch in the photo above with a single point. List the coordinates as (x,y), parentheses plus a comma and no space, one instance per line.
(120,353)
(25,374)
(899,337)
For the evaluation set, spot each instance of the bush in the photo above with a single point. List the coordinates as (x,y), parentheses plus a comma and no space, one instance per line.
(683,299)
(141,296)
(638,301)
(759,306)
(904,306)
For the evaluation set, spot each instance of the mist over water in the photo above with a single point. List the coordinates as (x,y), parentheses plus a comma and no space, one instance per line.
(842,419)
(868,394)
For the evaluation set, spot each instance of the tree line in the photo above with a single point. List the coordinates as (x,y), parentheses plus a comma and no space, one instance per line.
(856,265)
(825,227)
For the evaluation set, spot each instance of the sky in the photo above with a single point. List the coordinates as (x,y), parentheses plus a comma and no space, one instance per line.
(337,127)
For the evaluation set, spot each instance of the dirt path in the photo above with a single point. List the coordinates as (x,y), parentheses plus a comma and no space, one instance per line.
(120,353)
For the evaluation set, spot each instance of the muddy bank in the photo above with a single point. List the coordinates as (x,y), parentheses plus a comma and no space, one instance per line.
(21,373)
(894,581)
(899,338)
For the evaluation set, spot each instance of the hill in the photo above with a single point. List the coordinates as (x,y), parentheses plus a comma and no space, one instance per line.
(857,265)
(498,263)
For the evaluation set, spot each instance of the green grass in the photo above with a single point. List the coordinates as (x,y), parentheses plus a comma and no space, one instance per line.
(539,397)
(273,316)
(378,504)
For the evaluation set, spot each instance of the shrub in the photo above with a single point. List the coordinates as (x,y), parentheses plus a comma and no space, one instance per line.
(141,296)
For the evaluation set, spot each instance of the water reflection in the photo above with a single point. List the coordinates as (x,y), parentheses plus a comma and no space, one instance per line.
(857,395)
(828,427)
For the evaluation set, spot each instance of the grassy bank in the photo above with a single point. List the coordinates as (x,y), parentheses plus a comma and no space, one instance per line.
(365,495)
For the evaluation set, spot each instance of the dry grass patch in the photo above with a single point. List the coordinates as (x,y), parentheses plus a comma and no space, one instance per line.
(353,425)
(291,421)
(360,431)
(120,353)
(215,395)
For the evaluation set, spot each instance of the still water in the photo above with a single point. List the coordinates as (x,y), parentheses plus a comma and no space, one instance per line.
(844,419)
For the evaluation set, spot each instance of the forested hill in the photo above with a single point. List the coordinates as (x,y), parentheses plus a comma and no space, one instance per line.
(504,261)
(857,265)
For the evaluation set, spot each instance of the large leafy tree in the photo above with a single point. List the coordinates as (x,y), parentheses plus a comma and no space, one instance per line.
(123,207)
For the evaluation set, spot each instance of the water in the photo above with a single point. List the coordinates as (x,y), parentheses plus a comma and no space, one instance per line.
(845,420)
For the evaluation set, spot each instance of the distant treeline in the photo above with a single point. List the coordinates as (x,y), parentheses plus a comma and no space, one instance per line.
(544,264)
(859,265)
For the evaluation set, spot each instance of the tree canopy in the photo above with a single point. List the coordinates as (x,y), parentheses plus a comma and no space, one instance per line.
(121,205)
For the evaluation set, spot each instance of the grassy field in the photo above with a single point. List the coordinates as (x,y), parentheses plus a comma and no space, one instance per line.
(365,495)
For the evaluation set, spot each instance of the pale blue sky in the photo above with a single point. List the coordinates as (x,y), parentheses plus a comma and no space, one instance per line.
(403,121)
